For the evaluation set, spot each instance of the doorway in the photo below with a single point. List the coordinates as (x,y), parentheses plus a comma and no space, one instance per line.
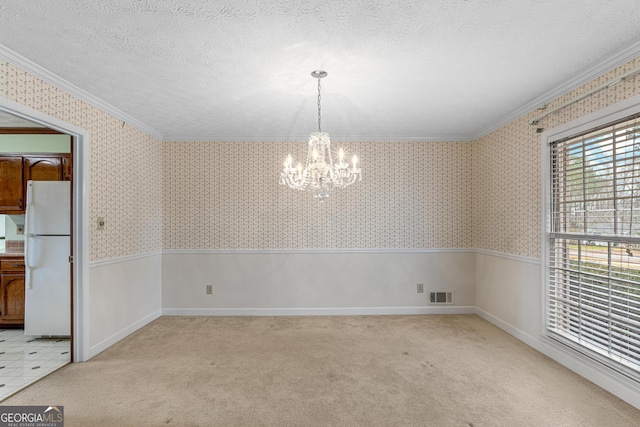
(51,352)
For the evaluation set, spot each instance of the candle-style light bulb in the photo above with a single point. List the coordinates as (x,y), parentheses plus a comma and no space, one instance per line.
(354,160)
(299,169)
(314,154)
(341,154)
(288,162)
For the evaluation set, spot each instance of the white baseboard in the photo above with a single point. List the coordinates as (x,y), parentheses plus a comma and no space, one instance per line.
(322,311)
(511,330)
(609,379)
(103,345)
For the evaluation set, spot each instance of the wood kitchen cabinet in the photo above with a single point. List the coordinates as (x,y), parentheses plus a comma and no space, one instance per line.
(17,169)
(12,187)
(48,168)
(12,291)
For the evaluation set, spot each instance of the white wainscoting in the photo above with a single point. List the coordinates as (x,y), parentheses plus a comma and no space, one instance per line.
(509,288)
(509,295)
(315,282)
(125,295)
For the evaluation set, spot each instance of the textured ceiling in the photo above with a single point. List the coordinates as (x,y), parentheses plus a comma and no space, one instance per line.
(240,70)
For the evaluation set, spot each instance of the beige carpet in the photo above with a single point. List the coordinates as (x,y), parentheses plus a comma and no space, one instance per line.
(324,371)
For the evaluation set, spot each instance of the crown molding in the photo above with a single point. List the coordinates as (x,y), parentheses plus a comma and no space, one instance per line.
(304,138)
(581,79)
(36,70)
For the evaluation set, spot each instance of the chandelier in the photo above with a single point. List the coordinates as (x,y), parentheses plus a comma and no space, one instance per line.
(320,174)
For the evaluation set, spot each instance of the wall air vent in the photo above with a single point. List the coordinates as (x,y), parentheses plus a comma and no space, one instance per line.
(437,297)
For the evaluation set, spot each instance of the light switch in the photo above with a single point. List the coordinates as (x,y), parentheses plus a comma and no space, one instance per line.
(101,223)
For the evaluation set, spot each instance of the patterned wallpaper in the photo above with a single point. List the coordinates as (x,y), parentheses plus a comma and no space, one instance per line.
(225,195)
(506,169)
(125,167)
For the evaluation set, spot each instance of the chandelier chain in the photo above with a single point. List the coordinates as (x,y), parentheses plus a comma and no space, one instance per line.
(319,129)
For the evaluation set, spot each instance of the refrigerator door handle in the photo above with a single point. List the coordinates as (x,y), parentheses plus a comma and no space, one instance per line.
(27,218)
(28,253)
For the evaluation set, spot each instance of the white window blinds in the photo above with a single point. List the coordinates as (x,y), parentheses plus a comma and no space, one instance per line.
(593,291)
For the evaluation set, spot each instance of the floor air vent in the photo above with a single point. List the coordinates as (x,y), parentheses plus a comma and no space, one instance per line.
(441,297)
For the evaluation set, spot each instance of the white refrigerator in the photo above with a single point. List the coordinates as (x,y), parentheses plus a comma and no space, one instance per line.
(47,248)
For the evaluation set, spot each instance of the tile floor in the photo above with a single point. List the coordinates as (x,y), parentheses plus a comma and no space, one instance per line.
(26,359)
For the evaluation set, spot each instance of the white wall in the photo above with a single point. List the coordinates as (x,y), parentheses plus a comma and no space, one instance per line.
(35,143)
(11,226)
(124,295)
(319,282)
(508,289)
(509,295)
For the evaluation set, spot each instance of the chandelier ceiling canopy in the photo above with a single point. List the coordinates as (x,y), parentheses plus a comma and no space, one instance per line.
(320,174)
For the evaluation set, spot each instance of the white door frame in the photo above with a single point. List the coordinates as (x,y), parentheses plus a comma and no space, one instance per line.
(81,149)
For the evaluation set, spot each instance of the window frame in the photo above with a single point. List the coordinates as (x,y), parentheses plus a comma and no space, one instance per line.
(583,124)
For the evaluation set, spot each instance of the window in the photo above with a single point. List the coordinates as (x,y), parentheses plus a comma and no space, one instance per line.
(593,256)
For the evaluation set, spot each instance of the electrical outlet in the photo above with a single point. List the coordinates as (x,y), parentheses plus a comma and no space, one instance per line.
(209,290)
(101,223)
(20,229)
(420,288)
